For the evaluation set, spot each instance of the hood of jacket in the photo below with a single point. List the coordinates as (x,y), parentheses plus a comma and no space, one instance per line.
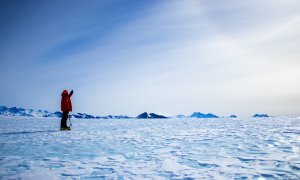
(64,93)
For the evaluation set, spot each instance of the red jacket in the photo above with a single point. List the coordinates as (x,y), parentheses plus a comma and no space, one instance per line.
(66,104)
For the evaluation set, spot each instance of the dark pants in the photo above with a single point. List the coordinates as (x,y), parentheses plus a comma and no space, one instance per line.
(64,118)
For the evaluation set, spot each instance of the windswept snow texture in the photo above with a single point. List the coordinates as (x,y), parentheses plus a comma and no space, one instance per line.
(220,148)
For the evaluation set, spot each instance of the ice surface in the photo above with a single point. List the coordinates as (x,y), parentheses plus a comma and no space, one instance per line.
(264,148)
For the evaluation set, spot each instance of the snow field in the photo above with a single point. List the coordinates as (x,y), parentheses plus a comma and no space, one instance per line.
(256,148)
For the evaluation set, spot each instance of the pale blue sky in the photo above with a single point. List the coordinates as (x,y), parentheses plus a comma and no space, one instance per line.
(171,57)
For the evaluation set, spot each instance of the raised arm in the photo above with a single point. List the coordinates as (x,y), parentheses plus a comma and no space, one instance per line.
(71,93)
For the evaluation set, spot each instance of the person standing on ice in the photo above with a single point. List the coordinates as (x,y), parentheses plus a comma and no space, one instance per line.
(66,107)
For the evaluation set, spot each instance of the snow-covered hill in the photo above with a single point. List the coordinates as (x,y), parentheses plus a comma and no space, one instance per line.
(200,115)
(14,111)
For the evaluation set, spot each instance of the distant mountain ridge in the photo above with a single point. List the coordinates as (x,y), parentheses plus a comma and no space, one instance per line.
(14,111)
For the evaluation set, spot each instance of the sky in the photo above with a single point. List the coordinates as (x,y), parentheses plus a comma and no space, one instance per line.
(164,56)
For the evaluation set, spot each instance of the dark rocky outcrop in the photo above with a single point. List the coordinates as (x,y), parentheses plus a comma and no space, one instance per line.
(260,115)
(145,115)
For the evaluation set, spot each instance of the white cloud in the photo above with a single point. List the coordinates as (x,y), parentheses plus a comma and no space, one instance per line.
(191,65)
(184,56)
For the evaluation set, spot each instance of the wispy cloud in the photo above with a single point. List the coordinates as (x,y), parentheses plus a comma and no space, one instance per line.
(165,56)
